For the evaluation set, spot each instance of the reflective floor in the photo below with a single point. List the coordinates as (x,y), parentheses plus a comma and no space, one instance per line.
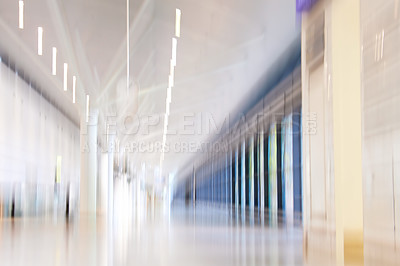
(181,237)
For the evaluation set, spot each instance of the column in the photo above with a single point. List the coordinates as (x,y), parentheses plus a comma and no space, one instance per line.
(332,158)
(237,202)
(346,80)
(194,188)
(243,175)
(261,171)
(251,173)
(230,176)
(212,181)
(88,177)
(273,174)
(110,175)
(228,179)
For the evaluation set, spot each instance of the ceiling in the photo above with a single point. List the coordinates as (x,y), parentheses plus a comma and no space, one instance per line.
(225,48)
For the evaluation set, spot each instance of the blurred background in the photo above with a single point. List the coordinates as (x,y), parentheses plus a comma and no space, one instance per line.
(171,132)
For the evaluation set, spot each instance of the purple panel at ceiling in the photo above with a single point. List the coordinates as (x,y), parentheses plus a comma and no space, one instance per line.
(304,5)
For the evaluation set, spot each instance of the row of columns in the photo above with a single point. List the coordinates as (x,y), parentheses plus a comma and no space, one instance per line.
(240,175)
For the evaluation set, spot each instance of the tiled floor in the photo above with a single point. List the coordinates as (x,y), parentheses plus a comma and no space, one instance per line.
(205,237)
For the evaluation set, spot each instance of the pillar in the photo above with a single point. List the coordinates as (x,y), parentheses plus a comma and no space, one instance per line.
(110,177)
(237,202)
(251,173)
(88,184)
(194,188)
(346,80)
(243,176)
(331,120)
(261,171)
(273,174)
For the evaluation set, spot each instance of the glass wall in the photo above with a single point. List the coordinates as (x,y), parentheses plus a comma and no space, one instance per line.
(259,170)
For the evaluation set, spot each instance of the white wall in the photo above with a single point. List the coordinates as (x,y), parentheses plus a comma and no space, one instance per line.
(33,133)
(380,33)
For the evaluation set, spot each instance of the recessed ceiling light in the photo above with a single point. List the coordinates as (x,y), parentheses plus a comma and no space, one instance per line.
(21,14)
(167,111)
(40,41)
(178,23)
(166,122)
(128,57)
(87,108)
(65,76)
(54,66)
(169,94)
(171,81)
(174,45)
(73,88)
(172,69)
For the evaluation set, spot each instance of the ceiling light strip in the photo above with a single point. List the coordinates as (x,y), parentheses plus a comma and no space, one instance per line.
(127,47)
(87,108)
(65,76)
(170,82)
(40,41)
(178,23)
(174,47)
(54,62)
(21,14)
(73,88)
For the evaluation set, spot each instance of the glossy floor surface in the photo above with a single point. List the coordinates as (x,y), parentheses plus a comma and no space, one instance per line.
(180,237)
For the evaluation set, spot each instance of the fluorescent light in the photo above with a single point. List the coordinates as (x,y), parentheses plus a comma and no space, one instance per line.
(178,23)
(73,88)
(54,67)
(168,109)
(174,44)
(172,69)
(21,14)
(87,108)
(40,41)
(166,121)
(127,47)
(170,81)
(65,76)
(169,94)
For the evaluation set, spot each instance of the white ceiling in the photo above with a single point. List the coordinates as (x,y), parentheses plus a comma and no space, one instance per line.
(225,48)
